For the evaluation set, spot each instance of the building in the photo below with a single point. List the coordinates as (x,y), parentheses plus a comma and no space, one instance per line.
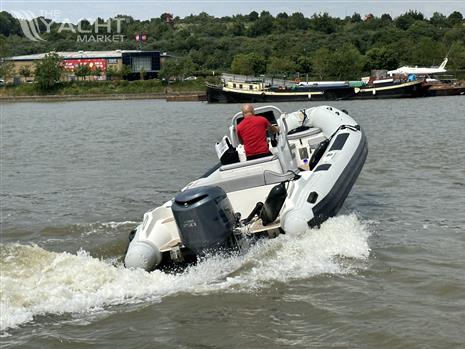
(136,60)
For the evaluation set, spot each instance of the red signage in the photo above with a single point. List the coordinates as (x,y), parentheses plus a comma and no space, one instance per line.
(72,64)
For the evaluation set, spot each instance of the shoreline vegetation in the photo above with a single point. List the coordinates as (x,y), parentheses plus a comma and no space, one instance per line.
(294,47)
(106,90)
(319,46)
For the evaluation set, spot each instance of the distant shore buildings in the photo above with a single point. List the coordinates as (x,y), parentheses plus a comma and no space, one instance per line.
(134,62)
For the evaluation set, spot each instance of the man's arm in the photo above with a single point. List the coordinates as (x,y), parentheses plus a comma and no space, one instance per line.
(272,128)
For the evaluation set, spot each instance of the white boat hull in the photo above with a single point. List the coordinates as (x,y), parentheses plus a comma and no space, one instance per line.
(315,191)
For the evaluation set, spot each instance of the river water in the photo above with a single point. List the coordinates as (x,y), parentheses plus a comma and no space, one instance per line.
(76,177)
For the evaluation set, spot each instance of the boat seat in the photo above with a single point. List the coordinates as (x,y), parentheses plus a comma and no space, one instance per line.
(248,163)
(273,177)
(246,175)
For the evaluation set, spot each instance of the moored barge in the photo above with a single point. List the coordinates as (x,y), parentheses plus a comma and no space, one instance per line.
(253,91)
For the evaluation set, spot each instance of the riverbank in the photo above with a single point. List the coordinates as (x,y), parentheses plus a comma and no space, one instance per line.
(106,90)
(171,97)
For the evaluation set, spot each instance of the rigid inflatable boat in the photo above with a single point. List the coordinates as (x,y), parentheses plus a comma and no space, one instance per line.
(316,158)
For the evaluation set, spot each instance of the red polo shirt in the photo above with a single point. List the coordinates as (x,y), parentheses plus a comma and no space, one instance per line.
(252,131)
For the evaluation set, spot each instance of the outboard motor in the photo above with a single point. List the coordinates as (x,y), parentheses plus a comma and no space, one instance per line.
(205,218)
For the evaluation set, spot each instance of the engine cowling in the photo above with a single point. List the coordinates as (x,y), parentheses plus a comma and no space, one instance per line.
(205,218)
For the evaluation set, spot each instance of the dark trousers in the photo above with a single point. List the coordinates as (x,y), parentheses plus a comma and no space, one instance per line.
(258,156)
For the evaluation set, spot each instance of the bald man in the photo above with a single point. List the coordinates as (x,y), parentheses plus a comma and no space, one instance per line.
(252,133)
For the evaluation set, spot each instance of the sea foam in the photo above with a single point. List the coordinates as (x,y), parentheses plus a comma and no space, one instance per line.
(37,282)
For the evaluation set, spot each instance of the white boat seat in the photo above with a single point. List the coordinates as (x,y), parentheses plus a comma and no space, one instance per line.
(248,163)
(245,175)
(241,183)
(273,177)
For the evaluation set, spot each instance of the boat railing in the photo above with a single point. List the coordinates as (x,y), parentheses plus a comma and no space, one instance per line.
(232,127)
(254,79)
(257,110)
(284,152)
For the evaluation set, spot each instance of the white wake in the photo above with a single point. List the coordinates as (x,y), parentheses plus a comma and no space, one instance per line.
(37,282)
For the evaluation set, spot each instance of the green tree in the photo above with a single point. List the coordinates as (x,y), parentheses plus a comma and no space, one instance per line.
(278,66)
(427,52)
(6,70)
(48,71)
(386,17)
(178,69)
(187,67)
(457,57)
(6,67)
(356,18)
(213,42)
(421,29)
(453,35)
(281,23)
(169,70)
(262,26)
(324,23)
(237,29)
(407,19)
(381,58)
(455,18)
(321,63)
(113,73)
(124,71)
(142,73)
(98,71)
(82,71)
(253,16)
(25,71)
(248,64)
(304,64)
(4,47)
(347,63)
(8,24)
(438,20)
(297,21)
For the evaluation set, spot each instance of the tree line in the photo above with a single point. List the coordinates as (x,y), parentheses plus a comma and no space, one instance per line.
(319,46)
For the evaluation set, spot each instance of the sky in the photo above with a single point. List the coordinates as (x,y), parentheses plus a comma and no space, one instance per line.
(74,10)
